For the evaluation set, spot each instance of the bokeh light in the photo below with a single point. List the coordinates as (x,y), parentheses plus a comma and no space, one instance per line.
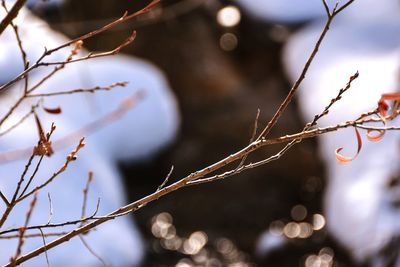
(196,249)
(323,259)
(291,230)
(306,230)
(228,41)
(318,222)
(228,16)
(276,228)
(298,213)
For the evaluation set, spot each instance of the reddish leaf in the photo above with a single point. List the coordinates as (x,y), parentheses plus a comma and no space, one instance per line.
(383,107)
(56,110)
(344,159)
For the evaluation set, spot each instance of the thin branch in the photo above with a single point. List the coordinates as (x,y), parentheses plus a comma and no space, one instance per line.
(389,128)
(91,55)
(33,235)
(32,176)
(57,225)
(85,194)
(298,82)
(12,14)
(18,37)
(20,121)
(91,251)
(244,167)
(74,51)
(252,138)
(343,7)
(328,12)
(333,101)
(166,178)
(21,240)
(50,210)
(82,90)
(4,198)
(12,109)
(44,245)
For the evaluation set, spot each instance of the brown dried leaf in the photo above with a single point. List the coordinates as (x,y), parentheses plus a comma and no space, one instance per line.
(56,110)
(44,147)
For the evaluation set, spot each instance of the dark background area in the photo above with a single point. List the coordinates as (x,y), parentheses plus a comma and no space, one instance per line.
(219,93)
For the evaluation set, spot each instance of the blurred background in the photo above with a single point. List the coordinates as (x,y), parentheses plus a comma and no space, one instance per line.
(222,69)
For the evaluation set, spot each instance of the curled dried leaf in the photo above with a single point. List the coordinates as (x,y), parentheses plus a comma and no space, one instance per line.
(345,159)
(375,137)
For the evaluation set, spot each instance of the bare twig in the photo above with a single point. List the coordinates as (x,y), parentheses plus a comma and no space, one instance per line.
(4,198)
(18,37)
(252,138)
(32,176)
(11,111)
(44,245)
(298,82)
(328,12)
(57,225)
(333,101)
(21,240)
(166,178)
(91,251)
(85,194)
(60,66)
(50,209)
(12,14)
(82,90)
(21,120)
(13,236)
(91,55)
